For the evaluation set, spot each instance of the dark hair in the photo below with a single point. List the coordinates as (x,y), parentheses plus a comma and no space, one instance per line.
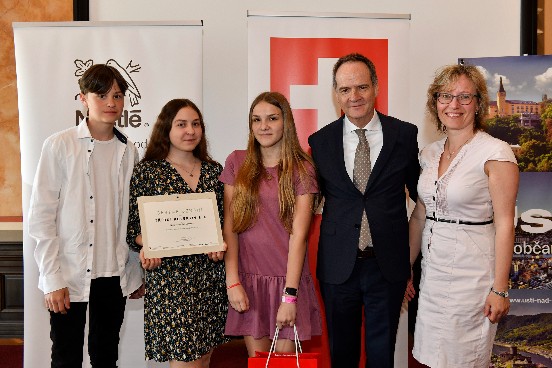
(448,75)
(351,58)
(159,142)
(99,79)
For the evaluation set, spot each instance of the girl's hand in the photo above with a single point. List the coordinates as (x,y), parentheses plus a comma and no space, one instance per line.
(287,312)
(218,256)
(238,298)
(149,263)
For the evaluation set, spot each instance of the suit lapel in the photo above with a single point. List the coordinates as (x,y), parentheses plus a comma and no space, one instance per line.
(390,134)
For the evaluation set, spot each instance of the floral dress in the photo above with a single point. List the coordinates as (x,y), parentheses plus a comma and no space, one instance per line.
(185,305)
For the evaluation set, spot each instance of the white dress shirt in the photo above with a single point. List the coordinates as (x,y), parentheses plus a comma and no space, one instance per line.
(62,214)
(374,135)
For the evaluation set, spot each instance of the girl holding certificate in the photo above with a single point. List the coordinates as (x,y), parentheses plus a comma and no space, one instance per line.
(185,303)
(269,196)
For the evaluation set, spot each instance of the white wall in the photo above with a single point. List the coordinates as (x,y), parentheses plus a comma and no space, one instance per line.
(441,32)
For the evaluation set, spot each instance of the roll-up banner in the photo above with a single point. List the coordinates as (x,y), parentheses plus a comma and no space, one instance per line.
(520,113)
(159,60)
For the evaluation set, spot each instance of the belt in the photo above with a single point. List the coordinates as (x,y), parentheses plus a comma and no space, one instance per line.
(368,252)
(460,222)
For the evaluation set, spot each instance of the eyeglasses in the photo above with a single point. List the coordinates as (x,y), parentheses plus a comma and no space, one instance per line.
(462,98)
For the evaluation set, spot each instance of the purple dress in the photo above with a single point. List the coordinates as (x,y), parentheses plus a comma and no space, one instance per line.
(262,264)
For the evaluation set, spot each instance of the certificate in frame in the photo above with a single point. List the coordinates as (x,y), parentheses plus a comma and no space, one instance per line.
(180,224)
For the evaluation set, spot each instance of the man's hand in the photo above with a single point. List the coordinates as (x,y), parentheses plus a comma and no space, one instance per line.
(410,290)
(138,293)
(57,301)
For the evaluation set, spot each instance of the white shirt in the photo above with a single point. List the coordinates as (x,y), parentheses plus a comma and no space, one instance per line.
(103,178)
(62,214)
(374,135)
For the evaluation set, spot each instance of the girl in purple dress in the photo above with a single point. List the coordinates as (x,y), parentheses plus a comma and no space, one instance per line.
(270,191)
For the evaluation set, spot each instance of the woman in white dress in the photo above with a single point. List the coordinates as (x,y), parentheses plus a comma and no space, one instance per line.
(463,223)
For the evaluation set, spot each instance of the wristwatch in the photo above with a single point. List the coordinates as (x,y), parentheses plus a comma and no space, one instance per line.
(503,294)
(290,291)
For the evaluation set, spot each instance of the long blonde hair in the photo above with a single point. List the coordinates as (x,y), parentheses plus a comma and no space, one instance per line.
(245,201)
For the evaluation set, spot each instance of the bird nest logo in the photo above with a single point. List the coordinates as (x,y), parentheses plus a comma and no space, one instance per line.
(129,118)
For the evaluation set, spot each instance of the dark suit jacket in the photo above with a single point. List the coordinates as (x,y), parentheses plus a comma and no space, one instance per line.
(384,201)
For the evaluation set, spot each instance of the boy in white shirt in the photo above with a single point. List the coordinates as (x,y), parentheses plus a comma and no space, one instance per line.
(78,217)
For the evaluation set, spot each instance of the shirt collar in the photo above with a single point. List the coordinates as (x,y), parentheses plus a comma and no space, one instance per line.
(84,132)
(374,124)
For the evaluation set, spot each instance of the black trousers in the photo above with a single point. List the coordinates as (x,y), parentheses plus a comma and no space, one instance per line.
(105,317)
(343,303)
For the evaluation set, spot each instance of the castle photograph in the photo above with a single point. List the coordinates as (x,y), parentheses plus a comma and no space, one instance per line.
(521,113)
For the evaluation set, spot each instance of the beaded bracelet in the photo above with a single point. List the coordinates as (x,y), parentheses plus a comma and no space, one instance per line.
(233,285)
(289,299)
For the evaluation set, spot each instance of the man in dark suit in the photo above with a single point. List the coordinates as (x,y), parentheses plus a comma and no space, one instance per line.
(364,159)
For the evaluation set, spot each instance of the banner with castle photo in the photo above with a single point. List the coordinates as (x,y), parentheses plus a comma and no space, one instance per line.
(520,113)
